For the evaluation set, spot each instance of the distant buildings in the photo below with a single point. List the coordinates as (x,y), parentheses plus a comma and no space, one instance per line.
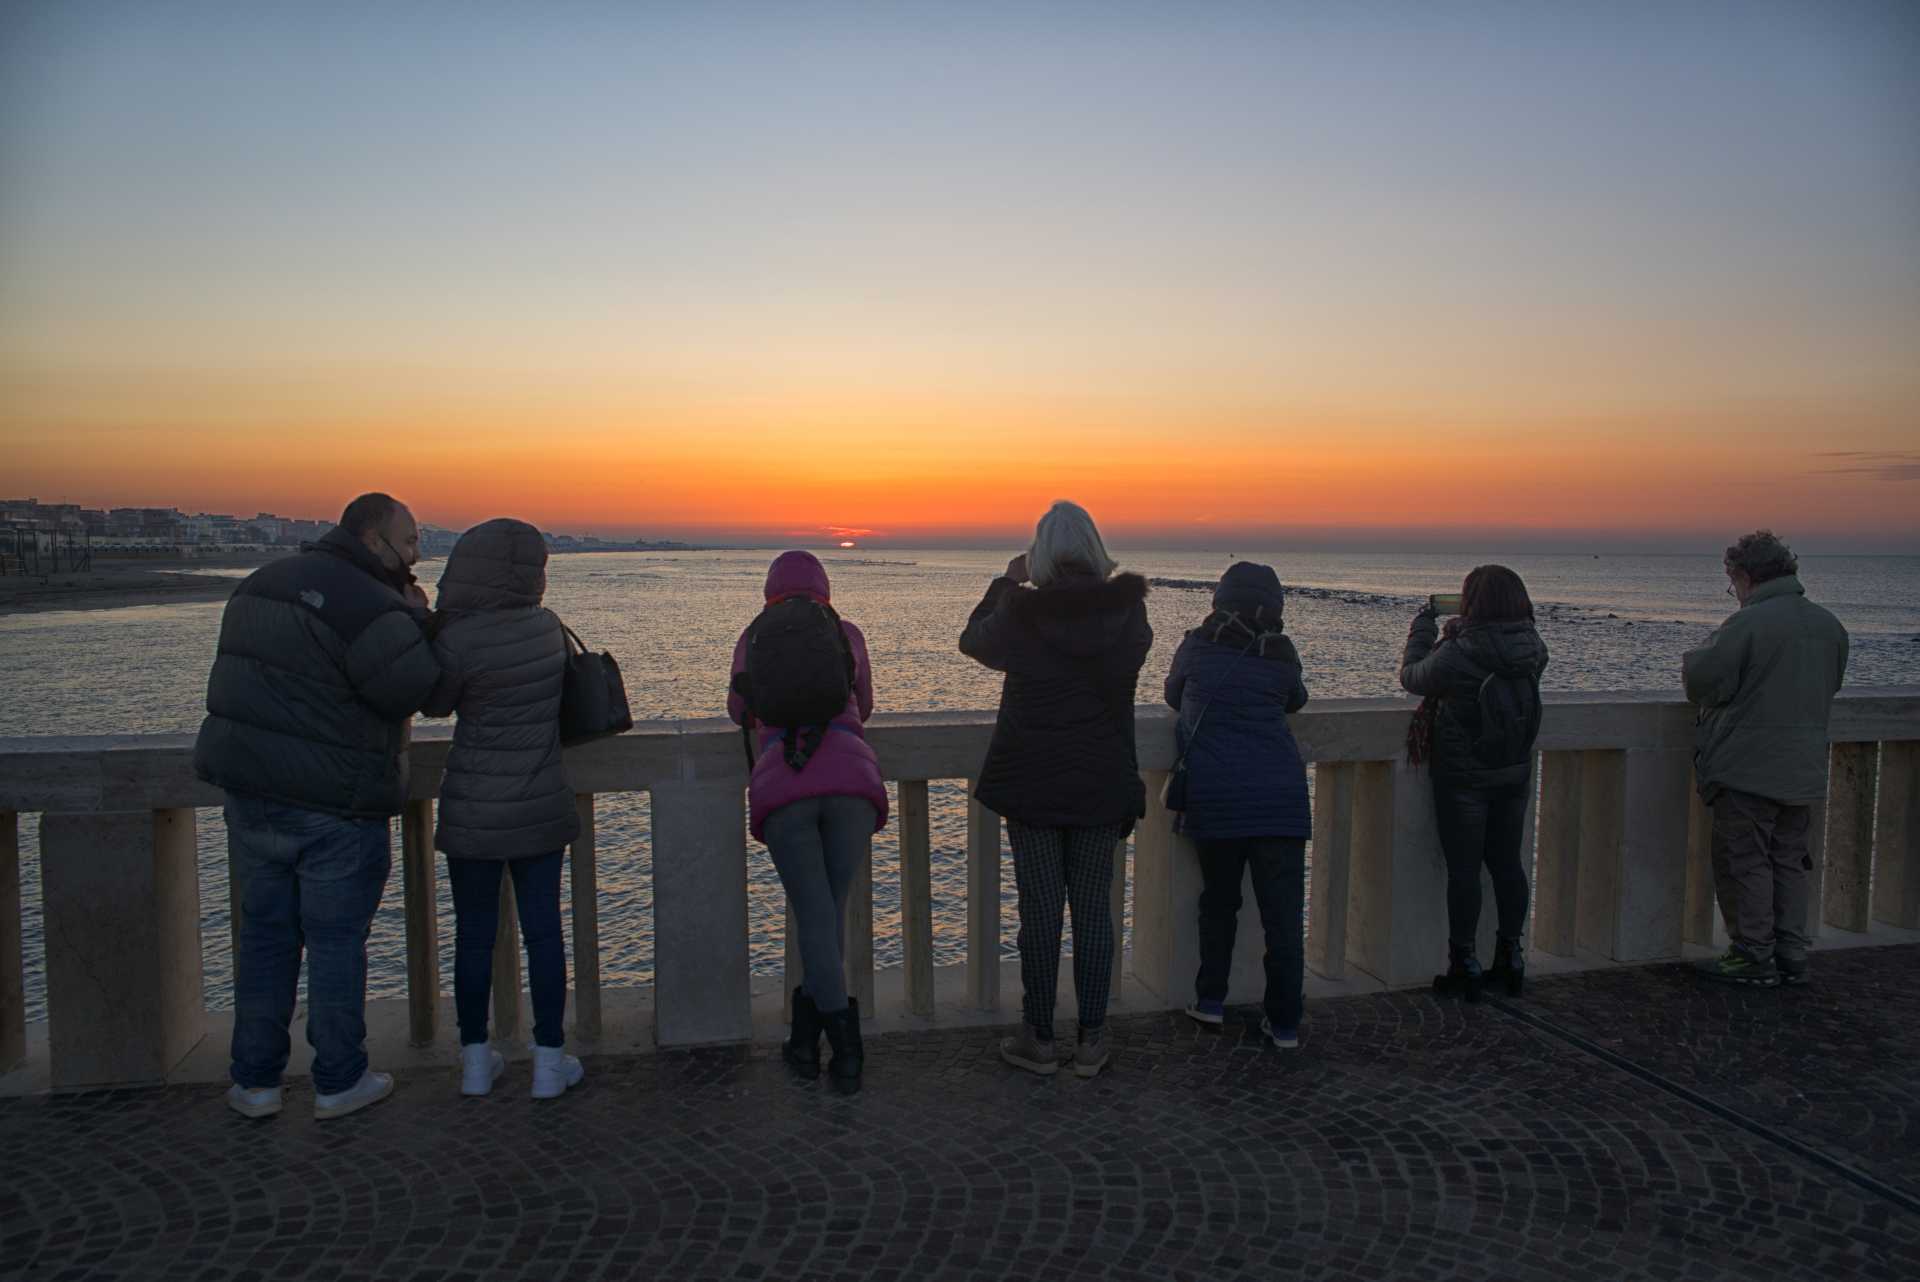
(153,530)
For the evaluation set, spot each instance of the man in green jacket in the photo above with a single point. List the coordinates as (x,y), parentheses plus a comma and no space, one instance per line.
(1764,684)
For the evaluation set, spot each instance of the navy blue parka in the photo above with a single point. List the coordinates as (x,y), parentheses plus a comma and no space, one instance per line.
(1245,776)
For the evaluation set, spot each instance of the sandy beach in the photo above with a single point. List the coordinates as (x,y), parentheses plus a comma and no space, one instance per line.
(115,584)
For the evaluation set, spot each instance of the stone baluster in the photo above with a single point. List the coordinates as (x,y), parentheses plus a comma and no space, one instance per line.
(1896,836)
(702,993)
(1700,910)
(983,905)
(916,894)
(1117,907)
(1642,916)
(857,946)
(1614,848)
(586,924)
(1556,876)
(121,890)
(1332,868)
(1853,771)
(13,998)
(418,881)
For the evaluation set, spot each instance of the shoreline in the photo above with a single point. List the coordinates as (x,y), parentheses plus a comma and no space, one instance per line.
(109,590)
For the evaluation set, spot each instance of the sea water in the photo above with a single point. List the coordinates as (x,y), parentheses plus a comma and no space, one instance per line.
(1611,622)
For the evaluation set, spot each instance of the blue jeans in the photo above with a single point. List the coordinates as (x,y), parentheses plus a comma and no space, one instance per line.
(1278,866)
(307,880)
(476,921)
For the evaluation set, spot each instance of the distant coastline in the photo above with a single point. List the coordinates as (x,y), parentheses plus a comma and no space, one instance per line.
(110,589)
(118,582)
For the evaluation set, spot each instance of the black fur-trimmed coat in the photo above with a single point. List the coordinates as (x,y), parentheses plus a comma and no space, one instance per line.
(1063,753)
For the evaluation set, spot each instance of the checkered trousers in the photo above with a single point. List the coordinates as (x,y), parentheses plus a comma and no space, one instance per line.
(1054,867)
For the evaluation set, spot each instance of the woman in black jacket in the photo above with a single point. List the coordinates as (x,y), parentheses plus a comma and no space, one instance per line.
(1481,714)
(1062,768)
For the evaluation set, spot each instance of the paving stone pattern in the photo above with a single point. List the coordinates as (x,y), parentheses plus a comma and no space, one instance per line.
(1406,1138)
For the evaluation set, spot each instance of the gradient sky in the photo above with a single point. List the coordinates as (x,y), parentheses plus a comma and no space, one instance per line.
(1642,271)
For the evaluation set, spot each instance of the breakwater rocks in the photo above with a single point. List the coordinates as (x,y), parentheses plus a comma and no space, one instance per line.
(1547,611)
(1345,596)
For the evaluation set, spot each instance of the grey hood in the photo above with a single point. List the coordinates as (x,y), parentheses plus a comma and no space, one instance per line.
(503,660)
(496,565)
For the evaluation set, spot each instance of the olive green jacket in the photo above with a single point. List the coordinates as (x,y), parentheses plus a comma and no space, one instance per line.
(1764,684)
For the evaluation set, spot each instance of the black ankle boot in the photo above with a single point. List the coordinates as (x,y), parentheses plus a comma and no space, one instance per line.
(849,1057)
(1463,978)
(802,1048)
(1509,967)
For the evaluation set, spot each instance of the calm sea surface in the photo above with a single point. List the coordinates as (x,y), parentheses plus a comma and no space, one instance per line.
(1612,623)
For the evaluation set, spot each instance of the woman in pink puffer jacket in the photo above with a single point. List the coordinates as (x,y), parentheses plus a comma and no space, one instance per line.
(817,821)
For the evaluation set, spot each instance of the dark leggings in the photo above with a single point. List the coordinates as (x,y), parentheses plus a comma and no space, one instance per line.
(476,920)
(1482,826)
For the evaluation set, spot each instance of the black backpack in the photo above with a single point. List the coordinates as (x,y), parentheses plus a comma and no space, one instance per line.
(799,667)
(1509,718)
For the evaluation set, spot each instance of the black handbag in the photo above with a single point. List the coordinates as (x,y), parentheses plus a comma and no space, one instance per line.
(593,698)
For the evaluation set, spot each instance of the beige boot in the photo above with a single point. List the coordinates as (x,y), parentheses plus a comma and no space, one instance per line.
(1090,1055)
(1026,1050)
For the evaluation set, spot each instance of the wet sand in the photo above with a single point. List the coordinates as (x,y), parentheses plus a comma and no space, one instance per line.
(109,588)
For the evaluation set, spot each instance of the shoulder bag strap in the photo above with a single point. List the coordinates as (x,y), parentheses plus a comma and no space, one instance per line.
(1207,707)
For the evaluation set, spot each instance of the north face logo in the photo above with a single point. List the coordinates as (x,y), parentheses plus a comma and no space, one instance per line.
(313,599)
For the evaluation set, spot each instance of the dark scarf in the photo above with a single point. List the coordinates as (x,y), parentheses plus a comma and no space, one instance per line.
(1260,631)
(1420,730)
(1420,727)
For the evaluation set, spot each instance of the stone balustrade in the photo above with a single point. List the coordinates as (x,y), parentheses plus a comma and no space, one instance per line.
(1620,851)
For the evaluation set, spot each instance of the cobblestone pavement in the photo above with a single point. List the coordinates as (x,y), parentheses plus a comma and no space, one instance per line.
(1406,1138)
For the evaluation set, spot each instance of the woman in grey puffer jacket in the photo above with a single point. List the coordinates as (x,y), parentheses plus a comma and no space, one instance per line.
(505,799)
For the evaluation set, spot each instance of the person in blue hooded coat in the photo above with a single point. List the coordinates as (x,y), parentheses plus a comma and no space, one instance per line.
(1234,680)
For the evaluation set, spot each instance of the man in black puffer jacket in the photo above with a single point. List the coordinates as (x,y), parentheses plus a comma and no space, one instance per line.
(321,664)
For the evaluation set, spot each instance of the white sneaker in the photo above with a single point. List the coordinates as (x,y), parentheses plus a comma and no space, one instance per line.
(1285,1038)
(480,1068)
(555,1072)
(259,1101)
(370,1089)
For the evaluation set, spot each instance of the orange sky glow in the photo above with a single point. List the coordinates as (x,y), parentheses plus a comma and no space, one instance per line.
(890,473)
(763,276)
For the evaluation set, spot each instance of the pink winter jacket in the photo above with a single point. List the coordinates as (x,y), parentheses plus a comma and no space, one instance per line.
(844,764)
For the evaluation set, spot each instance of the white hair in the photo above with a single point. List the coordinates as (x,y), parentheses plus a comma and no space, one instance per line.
(1066,538)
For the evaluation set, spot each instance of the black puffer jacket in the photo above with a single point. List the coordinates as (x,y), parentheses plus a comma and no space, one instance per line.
(1063,752)
(505,794)
(1453,671)
(321,663)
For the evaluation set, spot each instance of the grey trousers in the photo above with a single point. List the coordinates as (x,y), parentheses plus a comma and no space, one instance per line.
(817,845)
(1760,866)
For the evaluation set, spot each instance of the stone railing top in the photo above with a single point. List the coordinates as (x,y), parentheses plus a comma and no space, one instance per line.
(154,772)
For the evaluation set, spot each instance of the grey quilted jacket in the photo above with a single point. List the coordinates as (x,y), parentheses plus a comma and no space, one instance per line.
(502,657)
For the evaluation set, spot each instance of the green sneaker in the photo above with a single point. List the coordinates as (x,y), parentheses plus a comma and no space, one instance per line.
(1735,967)
(1793,972)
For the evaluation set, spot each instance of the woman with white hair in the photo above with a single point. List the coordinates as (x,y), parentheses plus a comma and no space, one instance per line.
(1062,768)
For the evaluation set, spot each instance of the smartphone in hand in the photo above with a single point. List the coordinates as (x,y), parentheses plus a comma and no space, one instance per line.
(1447,603)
